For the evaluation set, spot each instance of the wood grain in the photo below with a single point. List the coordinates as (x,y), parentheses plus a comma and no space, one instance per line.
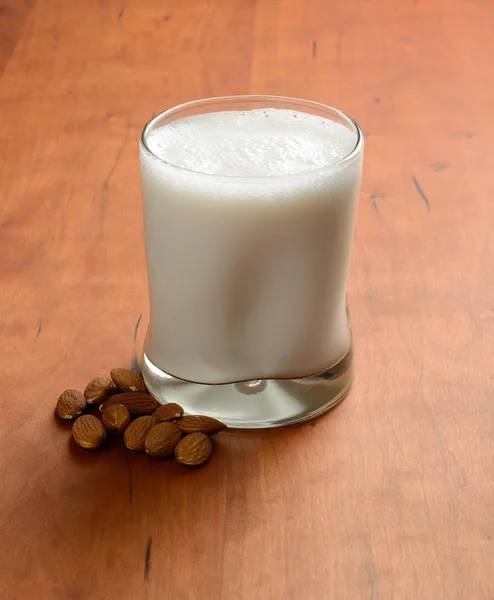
(389,497)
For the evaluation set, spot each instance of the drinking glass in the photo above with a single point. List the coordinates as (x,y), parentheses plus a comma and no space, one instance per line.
(247,277)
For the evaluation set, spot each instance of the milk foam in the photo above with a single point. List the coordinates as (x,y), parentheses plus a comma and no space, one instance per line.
(258,143)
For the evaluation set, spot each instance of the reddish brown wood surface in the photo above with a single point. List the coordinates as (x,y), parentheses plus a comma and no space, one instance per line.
(389,497)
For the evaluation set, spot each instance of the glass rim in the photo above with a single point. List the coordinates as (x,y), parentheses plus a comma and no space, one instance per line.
(148,127)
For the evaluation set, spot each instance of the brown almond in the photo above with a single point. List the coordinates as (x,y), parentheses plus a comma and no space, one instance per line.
(162,439)
(71,404)
(128,381)
(116,419)
(200,424)
(88,432)
(99,389)
(194,449)
(169,412)
(137,403)
(135,434)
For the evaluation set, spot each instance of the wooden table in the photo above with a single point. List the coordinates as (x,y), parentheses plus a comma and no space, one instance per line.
(391,495)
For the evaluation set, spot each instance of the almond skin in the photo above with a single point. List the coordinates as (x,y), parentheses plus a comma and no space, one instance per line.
(193,450)
(137,403)
(162,439)
(136,432)
(169,412)
(71,404)
(128,381)
(99,389)
(116,419)
(88,432)
(200,424)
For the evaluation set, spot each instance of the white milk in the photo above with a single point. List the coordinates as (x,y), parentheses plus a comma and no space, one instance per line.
(248,239)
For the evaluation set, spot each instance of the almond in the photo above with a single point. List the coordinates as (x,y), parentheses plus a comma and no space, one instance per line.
(201,424)
(99,389)
(128,381)
(162,439)
(137,403)
(116,418)
(71,404)
(193,450)
(88,432)
(169,412)
(135,434)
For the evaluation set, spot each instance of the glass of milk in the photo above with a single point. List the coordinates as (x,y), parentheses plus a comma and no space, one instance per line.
(249,211)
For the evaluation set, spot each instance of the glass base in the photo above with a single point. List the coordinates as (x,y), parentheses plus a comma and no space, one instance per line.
(256,404)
